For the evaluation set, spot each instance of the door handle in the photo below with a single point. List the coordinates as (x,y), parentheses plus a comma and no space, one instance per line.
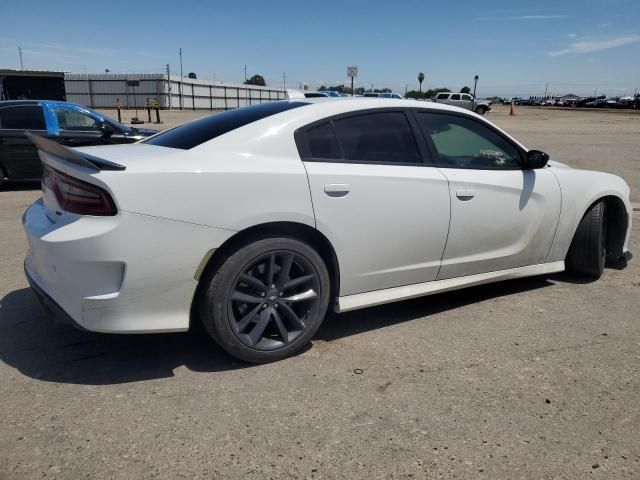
(337,189)
(465,195)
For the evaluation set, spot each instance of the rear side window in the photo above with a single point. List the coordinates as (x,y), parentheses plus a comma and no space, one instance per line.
(384,137)
(455,97)
(22,117)
(195,133)
(322,142)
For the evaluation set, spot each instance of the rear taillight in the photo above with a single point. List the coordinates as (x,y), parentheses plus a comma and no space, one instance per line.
(76,196)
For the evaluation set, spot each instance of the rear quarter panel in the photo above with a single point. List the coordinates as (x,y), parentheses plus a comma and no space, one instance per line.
(232,182)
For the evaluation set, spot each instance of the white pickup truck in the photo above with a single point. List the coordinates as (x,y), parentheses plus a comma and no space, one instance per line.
(463,100)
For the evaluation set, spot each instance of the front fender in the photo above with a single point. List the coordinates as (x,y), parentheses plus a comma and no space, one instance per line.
(580,189)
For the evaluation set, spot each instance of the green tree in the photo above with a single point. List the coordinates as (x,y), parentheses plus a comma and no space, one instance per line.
(432,92)
(414,94)
(420,79)
(465,89)
(256,80)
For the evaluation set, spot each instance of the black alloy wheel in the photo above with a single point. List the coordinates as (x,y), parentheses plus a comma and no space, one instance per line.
(266,300)
(273,299)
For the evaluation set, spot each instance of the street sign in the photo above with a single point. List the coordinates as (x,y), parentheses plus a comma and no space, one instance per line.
(352,72)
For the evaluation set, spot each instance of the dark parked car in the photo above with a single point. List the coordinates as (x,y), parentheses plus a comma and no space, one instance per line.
(67,123)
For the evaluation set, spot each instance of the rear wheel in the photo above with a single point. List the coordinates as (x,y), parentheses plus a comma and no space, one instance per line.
(588,250)
(267,300)
(481,110)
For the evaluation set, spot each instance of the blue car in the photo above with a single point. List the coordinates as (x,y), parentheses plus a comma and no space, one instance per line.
(68,123)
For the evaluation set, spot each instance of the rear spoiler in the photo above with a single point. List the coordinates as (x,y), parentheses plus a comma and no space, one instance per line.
(52,147)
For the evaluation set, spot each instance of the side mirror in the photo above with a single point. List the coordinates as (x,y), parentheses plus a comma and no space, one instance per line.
(106,130)
(536,159)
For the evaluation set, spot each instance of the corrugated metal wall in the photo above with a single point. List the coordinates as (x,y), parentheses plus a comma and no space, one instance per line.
(102,90)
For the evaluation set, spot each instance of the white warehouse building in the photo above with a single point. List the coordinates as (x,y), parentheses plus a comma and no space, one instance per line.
(103,89)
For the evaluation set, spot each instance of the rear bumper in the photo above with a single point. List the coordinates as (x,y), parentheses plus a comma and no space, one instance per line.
(128,273)
(50,304)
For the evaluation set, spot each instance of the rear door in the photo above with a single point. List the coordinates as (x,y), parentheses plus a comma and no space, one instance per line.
(18,156)
(385,210)
(502,216)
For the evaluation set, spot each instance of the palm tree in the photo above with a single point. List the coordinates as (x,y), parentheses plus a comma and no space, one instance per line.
(421,79)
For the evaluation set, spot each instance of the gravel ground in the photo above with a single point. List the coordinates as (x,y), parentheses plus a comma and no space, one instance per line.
(535,378)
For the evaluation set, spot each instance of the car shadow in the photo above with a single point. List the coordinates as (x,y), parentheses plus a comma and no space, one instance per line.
(37,347)
(19,186)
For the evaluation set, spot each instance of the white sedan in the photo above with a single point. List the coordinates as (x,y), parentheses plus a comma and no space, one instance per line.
(257,220)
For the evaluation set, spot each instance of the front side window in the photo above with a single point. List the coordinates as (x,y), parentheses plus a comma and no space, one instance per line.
(22,117)
(75,121)
(463,142)
(383,137)
(466,97)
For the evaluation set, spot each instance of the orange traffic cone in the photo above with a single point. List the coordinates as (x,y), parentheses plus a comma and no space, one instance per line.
(513,109)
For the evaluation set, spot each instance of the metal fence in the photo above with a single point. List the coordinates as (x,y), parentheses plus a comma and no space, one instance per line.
(133,90)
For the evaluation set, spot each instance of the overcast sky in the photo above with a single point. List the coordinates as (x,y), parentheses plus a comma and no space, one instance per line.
(515,47)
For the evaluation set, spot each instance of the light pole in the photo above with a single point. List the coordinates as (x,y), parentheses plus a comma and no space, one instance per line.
(475,84)
(181,77)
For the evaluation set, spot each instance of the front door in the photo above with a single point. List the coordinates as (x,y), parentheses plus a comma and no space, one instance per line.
(77,128)
(502,216)
(384,210)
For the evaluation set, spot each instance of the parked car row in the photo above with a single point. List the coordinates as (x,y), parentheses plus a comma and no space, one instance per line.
(587,102)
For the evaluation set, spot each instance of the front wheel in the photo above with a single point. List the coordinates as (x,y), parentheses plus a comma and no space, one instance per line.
(588,250)
(481,110)
(267,300)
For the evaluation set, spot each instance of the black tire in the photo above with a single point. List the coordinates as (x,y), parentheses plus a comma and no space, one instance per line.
(481,110)
(588,250)
(257,322)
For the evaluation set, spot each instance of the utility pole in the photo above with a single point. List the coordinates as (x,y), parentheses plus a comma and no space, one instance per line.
(545,90)
(20,53)
(284,81)
(246,87)
(181,77)
(169,85)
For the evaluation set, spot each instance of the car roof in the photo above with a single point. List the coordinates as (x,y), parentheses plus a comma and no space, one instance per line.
(53,103)
(328,106)
(9,103)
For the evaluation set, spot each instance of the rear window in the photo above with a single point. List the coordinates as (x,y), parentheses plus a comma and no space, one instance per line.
(22,117)
(196,133)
